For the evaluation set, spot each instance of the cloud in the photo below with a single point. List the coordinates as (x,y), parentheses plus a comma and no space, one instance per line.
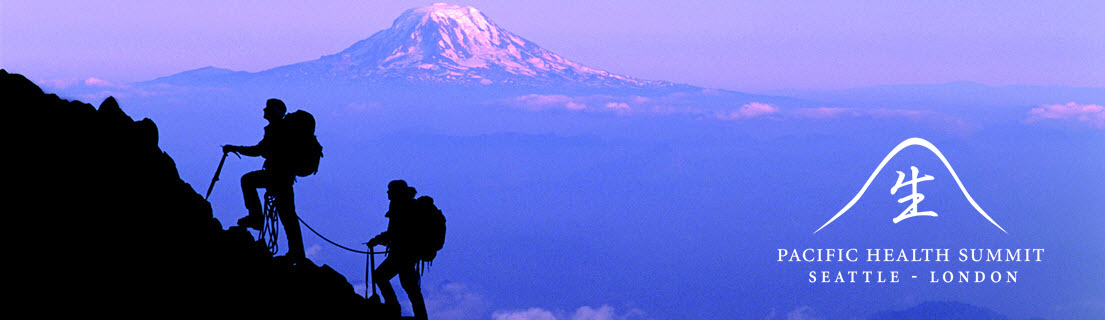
(360,288)
(1091,114)
(531,314)
(604,312)
(58,83)
(96,82)
(802,313)
(93,89)
(539,102)
(313,252)
(575,106)
(690,104)
(823,112)
(455,301)
(900,113)
(618,105)
(543,102)
(926,117)
(542,99)
(88,83)
(826,113)
(449,301)
(621,108)
(799,313)
(674,104)
(749,110)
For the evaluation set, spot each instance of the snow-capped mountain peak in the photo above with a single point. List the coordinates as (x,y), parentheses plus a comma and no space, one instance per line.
(455,44)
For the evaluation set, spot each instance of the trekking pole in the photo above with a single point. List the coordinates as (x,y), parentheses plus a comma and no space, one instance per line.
(368,269)
(217,172)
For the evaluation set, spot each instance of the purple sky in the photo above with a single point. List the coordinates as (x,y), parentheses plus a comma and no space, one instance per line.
(722,44)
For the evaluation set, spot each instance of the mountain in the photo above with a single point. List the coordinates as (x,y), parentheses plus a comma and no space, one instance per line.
(205,75)
(956,94)
(437,44)
(940,310)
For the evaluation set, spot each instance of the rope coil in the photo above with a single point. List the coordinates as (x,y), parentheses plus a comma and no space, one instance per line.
(271,229)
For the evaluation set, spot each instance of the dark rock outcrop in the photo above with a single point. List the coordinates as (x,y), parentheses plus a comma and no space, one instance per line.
(105,225)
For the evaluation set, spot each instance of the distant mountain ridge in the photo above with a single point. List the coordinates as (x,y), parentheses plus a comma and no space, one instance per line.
(203,75)
(960,93)
(940,310)
(436,44)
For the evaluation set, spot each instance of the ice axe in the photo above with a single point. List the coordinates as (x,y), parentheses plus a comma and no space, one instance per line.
(217,172)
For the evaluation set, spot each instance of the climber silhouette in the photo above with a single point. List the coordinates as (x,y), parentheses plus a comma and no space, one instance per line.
(401,240)
(276,176)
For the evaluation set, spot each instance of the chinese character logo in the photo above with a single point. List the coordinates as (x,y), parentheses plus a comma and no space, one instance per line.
(914,197)
(911,211)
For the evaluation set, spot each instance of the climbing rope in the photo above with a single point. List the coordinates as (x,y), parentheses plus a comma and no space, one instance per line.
(328,240)
(271,229)
(368,264)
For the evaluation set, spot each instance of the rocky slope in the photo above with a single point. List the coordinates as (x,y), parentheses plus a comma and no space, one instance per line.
(106,226)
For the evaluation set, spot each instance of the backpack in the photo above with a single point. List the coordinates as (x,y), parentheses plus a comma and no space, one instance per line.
(306,151)
(430,236)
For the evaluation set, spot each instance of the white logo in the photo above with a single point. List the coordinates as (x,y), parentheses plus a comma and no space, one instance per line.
(915,197)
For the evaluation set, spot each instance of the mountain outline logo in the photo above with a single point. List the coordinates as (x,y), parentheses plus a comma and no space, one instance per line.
(915,197)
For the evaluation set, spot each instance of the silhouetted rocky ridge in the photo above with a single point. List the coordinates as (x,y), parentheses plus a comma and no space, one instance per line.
(105,225)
